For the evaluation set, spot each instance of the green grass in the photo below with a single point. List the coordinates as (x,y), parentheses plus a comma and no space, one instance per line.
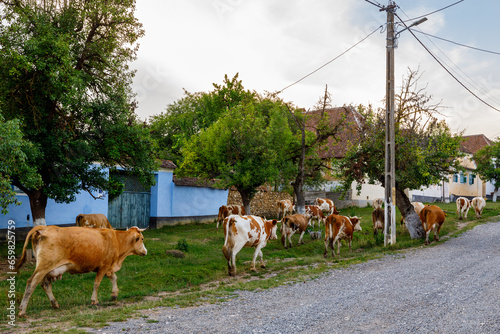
(159,279)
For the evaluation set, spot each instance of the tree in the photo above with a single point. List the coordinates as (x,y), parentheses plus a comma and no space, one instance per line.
(64,74)
(426,150)
(193,113)
(313,130)
(13,161)
(488,165)
(243,148)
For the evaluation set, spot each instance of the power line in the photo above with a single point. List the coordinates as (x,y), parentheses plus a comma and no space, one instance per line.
(446,69)
(467,46)
(418,17)
(340,55)
(375,4)
(467,78)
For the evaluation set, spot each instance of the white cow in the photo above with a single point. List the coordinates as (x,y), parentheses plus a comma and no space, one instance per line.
(478,203)
(247,231)
(326,205)
(463,206)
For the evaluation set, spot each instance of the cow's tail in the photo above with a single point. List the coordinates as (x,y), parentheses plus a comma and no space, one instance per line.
(424,213)
(78,220)
(30,236)
(226,249)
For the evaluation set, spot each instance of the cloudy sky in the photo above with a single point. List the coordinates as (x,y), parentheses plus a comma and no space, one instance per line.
(191,44)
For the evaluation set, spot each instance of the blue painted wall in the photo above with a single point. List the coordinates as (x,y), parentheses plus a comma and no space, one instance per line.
(197,201)
(55,213)
(167,200)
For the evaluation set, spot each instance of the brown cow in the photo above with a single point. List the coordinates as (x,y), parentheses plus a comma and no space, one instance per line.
(326,205)
(96,220)
(247,231)
(285,207)
(227,210)
(316,214)
(338,228)
(77,250)
(291,224)
(378,203)
(378,218)
(463,206)
(432,218)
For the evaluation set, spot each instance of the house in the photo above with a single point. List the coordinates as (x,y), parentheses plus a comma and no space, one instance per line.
(336,149)
(468,183)
(169,201)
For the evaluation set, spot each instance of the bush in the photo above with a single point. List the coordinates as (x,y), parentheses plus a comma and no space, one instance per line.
(182,245)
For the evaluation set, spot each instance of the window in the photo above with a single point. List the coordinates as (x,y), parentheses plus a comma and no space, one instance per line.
(455,178)
(472,177)
(463,178)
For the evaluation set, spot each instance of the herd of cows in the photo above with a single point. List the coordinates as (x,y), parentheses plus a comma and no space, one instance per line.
(94,246)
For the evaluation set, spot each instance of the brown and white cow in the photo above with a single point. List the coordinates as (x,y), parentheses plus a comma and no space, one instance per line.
(432,218)
(338,228)
(478,203)
(291,224)
(227,210)
(78,250)
(378,218)
(316,214)
(326,205)
(95,220)
(285,207)
(463,206)
(378,203)
(247,231)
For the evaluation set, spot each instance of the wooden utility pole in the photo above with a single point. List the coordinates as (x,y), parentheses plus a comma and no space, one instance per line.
(390,151)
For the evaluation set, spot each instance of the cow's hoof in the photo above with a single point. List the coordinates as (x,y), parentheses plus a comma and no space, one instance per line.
(95,303)
(21,315)
(253,269)
(55,305)
(113,298)
(262,266)
(232,274)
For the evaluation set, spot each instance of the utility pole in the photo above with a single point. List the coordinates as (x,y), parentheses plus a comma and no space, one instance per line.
(390,151)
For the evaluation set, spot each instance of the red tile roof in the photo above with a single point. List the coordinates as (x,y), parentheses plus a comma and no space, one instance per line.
(349,133)
(471,144)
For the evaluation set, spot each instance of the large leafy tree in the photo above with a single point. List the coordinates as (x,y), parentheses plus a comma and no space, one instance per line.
(243,148)
(426,150)
(13,161)
(193,113)
(488,164)
(64,74)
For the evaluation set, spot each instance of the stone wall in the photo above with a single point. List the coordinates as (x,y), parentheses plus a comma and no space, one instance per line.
(263,204)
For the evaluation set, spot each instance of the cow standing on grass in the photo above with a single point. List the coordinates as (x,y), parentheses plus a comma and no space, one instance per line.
(432,217)
(478,203)
(95,220)
(291,224)
(77,250)
(378,219)
(285,207)
(338,228)
(227,210)
(463,206)
(326,205)
(247,231)
(316,215)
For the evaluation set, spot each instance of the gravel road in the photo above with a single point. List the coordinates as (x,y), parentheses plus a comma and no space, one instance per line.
(449,288)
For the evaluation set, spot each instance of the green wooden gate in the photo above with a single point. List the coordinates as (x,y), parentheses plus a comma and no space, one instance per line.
(132,207)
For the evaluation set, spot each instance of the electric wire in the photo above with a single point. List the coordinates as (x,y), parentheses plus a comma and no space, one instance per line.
(467,78)
(340,55)
(418,17)
(466,46)
(446,69)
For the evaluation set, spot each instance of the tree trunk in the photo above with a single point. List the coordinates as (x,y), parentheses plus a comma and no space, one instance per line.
(38,203)
(495,194)
(412,220)
(298,184)
(246,198)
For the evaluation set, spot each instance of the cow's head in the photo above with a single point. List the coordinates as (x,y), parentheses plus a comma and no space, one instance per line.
(274,228)
(356,223)
(137,238)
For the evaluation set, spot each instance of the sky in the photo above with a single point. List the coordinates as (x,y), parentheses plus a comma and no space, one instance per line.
(191,44)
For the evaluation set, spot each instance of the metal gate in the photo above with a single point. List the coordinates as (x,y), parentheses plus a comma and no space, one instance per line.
(132,207)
